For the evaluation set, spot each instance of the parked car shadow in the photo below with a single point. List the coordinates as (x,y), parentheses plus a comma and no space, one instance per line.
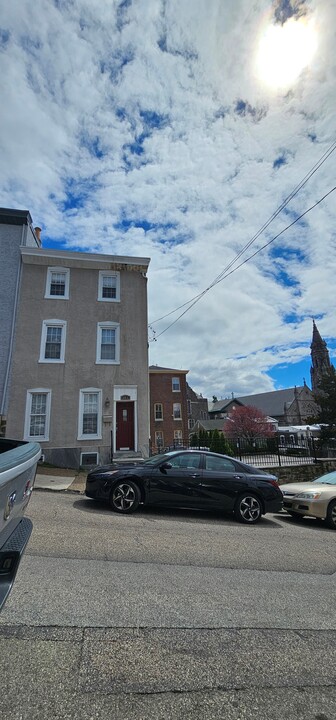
(306,522)
(151,513)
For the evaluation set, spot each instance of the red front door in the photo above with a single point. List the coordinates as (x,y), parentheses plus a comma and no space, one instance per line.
(125,426)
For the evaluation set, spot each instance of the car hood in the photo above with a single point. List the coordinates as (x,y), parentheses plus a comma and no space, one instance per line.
(295,488)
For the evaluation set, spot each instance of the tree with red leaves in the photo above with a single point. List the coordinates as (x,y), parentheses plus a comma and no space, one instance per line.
(247,422)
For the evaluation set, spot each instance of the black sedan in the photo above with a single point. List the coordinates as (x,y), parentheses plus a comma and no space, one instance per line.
(187,479)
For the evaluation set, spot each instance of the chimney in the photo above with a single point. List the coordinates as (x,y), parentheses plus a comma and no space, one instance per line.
(38,234)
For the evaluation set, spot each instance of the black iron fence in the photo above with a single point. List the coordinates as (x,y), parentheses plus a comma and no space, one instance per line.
(259,451)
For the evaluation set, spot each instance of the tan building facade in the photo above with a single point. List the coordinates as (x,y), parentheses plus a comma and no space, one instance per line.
(79,381)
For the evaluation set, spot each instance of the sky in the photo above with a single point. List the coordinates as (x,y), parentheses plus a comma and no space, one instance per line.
(175,130)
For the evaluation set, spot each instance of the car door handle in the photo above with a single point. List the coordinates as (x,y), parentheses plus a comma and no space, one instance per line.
(195,475)
(238,477)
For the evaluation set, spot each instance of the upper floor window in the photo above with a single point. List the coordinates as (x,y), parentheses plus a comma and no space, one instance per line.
(52,348)
(37,418)
(176,384)
(177,411)
(109,286)
(189,406)
(58,283)
(89,417)
(108,343)
(158,411)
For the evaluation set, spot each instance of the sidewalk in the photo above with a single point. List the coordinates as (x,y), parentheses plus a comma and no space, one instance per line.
(59,479)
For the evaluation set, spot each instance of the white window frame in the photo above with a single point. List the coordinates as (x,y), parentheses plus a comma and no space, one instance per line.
(29,397)
(108,326)
(178,436)
(158,419)
(87,452)
(52,270)
(92,436)
(176,405)
(159,434)
(108,273)
(177,381)
(45,325)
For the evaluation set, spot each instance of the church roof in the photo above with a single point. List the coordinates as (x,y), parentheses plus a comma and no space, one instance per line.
(271,403)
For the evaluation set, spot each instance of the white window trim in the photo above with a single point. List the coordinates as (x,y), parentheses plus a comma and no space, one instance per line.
(102,326)
(67,283)
(45,325)
(179,387)
(180,417)
(30,393)
(155,418)
(108,273)
(88,452)
(81,435)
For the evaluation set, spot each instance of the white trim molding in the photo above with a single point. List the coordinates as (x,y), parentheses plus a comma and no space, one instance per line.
(57,271)
(82,393)
(43,411)
(108,325)
(52,324)
(109,274)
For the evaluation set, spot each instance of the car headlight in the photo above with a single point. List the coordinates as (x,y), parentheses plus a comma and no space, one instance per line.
(309,495)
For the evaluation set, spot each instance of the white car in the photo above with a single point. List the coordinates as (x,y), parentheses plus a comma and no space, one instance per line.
(316,499)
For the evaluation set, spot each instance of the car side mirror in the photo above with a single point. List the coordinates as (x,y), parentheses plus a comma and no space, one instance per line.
(165,466)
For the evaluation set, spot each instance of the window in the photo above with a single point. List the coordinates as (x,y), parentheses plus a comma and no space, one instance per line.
(89,459)
(219,464)
(53,341)
(89,425)
(37,417)
(177,411)
(159,439)
(176,384)
(109,286)
(158,411)
(58,283)
(177,437)
(189,406)
(108,345)
(191,423)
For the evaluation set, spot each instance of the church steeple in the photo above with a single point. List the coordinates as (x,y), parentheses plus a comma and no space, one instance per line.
(319,357)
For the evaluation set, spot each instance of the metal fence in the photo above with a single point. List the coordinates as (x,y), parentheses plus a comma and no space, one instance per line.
(260,451)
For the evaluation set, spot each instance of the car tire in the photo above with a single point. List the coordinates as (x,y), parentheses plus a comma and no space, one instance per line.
(248,509)
(331,515)
(295,516)
(125,497)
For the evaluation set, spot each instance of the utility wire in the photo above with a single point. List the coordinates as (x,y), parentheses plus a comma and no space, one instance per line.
(221,278)
(294,192)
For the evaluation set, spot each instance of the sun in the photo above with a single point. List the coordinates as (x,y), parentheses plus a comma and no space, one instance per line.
(284,51)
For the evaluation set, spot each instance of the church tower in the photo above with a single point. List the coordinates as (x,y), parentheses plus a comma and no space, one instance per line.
(319,357)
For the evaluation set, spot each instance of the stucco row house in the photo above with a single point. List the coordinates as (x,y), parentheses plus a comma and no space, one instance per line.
(74,361)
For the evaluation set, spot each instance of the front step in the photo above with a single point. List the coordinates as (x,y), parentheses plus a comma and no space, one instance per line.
(126,456)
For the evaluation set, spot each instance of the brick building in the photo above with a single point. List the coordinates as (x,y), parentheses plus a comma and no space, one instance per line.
(168,407)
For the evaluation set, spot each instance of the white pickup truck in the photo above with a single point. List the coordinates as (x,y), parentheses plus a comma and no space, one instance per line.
(18,463)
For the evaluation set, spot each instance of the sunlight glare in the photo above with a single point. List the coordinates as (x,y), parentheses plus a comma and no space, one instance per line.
(284,51)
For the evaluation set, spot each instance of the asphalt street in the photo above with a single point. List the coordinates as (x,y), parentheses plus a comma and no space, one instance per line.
(168,614)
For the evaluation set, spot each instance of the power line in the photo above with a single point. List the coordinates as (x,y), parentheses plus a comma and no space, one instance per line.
(221,278)
(294,192)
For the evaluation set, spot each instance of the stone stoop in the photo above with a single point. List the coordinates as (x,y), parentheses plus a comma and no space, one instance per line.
(127,456)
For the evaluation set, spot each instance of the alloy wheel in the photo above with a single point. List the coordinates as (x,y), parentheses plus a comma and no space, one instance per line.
(123,497)
(249,509)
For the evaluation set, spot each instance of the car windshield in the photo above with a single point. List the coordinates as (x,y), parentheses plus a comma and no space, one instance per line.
(328,479)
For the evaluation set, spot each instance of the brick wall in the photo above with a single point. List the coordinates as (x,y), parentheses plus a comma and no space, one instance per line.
(161,392)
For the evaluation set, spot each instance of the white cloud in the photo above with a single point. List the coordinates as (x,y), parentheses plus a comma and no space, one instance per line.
(141,128)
